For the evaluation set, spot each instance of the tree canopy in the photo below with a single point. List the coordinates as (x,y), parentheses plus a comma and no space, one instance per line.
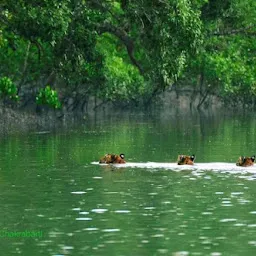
(128,51)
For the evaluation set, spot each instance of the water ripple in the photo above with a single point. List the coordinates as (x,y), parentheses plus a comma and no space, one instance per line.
(99,210)
(86,219)
(251,225)
(76,209)
(90,229)
(228,220)
(149,208)
(78,192)
(252,243)
(122,211)
(111,230)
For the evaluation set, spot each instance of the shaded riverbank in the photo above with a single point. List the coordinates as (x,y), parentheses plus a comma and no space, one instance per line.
(171,103)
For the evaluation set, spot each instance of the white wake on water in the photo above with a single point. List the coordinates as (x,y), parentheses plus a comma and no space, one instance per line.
(197,166)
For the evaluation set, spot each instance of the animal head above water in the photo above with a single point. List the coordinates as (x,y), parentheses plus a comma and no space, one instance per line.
(184,159)
(245,161)
(112,159)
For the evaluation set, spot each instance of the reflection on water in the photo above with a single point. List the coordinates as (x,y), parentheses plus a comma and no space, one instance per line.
(49,184)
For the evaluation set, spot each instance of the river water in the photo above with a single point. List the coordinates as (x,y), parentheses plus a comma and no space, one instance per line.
(52,185)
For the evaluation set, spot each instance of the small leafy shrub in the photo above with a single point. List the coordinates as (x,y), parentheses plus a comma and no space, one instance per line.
(8,88)
(48,96)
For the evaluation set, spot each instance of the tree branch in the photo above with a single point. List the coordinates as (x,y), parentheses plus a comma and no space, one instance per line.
(25,64)
(39,48)
(126,40)
(245,31)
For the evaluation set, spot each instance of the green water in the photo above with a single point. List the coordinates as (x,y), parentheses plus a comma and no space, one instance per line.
(48,185)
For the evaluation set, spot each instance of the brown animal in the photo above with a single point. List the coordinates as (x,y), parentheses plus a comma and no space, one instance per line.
(112,159)
(245,161)
(183,159)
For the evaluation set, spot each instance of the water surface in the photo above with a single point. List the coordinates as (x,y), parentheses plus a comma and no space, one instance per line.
(49,183)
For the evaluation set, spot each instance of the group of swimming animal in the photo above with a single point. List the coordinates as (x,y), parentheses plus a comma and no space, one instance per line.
(182,160)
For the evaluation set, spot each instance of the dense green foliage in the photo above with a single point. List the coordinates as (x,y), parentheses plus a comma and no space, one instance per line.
(48,96)
(128,51)
(226,63)
(8,88)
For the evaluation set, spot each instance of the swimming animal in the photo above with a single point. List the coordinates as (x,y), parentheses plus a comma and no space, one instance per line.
(183,159)
(245,161)
(112,159)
